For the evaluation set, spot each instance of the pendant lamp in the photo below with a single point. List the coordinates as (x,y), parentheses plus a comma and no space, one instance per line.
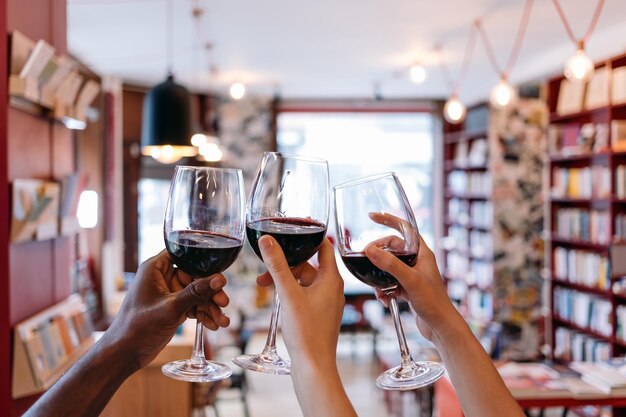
(166,126)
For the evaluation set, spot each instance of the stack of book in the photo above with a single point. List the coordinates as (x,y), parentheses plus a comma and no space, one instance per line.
(581,267)
(582,224)
(481,244)
(585,182)
(480,304)
(570,345)
(584,310)
(458,211)
(481,214)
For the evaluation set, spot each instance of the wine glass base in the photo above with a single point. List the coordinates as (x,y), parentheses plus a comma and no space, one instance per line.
(262,363)
(422,375)
(186,370)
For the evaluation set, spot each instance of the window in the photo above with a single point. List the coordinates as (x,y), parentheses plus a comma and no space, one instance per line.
(361,144)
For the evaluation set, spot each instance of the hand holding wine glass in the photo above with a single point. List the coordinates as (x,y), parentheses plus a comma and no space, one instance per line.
(203,230)
(374,219)
(288,201)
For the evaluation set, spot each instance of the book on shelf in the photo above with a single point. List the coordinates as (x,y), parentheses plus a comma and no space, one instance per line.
(618,135)
(618,85)
(598,89)
(583,225)
(571,345)
(478,152)
(584,310)
(462,183)
(582,267)
(461,154)
(620,315)
(570,98)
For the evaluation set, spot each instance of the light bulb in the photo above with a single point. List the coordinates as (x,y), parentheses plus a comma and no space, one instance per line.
(199,139)
(168,154)
(454,111)
(237,91)
(579,67)
(418,74)
(503,95)
(211,152)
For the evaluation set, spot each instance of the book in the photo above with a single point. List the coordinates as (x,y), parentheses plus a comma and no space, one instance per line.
(37,60)
(618,85)
(598,89)
(570,98)
(618,135)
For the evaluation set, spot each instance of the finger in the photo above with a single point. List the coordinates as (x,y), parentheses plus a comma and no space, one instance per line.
(304,274)
(327,258)
(215,314)
(221,299)
(390,263)
(425,253)
(393,242)
(382,297)
(276,264)
(265,280)
(198,292)
(389,220)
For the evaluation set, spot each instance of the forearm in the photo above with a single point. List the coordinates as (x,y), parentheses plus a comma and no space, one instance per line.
(329,398)
(478,384)
(89,385)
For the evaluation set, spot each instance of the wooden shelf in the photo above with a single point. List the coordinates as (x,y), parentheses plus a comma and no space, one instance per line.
(467,226)
(587,330)
(451,166)
(583,288)
(468,196)
(463,136)
(572,117)
(571,243)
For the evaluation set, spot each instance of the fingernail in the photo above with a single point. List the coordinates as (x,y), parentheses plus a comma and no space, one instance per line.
(374,252)
(217,283)
(265,242)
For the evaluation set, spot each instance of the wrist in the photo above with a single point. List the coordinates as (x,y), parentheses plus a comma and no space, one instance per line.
(453,329)
(114,348)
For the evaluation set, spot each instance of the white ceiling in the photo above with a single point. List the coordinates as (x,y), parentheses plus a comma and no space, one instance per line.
(331,48)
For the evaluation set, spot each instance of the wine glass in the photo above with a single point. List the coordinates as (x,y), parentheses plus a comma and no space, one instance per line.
(375,211)
(288,201)
(204,232)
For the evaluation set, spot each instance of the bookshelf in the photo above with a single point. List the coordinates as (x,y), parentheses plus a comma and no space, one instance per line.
(493,216)
(585,214)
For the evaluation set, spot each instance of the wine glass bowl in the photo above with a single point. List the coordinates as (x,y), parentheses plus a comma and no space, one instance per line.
(203,231)
(374,211)
(290,202)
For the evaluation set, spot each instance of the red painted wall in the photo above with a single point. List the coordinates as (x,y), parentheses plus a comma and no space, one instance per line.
(30,147)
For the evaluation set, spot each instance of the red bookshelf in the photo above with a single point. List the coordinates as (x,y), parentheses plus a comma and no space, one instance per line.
(585,150)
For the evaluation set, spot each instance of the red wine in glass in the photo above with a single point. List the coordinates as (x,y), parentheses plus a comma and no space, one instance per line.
(289,201)
(203,229)
(365,271)
(298,238)
(202,254)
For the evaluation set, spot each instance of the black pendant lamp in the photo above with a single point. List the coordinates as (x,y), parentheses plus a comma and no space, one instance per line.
(166,127)
(166,124)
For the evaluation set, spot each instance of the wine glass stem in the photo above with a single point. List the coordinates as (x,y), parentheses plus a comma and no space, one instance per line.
(270,344)
(407,360)
(197,356)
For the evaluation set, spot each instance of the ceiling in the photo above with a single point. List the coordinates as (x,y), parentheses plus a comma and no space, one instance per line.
(331,48)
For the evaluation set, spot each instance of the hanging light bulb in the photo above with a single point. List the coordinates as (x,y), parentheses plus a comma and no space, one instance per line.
(454,111)
(503,94)
(237,91)
(199,139)
(418,74)
(168,154)
(579,67)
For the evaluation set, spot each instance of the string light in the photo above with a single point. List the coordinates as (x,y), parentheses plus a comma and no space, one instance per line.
(579,68)
(417,73)
(454,111)
(503,94)
(237,91)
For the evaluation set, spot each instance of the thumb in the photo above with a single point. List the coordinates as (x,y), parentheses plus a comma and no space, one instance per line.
(277,266)
(197,293)
(388,262)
